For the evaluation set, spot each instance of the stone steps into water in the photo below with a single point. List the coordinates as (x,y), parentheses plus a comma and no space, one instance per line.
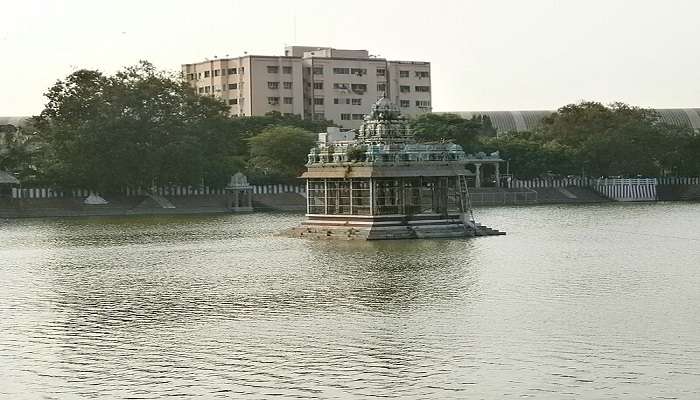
(279,201)
(691,193)
(482,230)
(569,194)
(161,200)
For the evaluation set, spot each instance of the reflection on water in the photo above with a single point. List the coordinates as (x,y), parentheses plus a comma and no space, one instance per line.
(581,302)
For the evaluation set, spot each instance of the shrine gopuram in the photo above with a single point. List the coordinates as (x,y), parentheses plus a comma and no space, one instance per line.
(379,183)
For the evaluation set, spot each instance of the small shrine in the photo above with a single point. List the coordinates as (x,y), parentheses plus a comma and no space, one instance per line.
(380,183)
(239,194)
(8,184)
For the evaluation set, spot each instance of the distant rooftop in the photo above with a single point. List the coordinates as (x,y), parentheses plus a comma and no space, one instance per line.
(520,121)
(16,121)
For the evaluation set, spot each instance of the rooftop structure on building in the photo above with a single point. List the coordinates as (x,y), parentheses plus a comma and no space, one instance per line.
(313,82)
(380,183)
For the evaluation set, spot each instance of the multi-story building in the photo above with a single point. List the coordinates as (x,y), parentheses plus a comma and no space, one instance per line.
(410,86)
(251,85)
(314,82)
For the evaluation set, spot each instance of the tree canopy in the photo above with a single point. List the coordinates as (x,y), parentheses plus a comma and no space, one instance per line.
(599,140)
(139,127)
(465,132)
(280,152)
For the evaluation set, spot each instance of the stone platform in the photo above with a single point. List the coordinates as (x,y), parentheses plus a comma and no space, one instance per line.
(388,228)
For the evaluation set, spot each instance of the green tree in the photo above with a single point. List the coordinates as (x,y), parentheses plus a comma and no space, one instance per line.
(614,140)
(465,132)
(279,152)
(138,127)
(600,140)
(531,156)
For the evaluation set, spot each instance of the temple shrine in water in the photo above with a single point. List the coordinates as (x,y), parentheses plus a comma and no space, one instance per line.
(380,183)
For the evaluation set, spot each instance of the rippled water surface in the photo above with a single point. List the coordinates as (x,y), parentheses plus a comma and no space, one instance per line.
(575,302)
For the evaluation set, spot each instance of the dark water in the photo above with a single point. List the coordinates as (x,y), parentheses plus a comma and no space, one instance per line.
(576,302)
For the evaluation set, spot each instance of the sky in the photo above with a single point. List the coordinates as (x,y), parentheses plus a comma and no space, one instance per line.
(485,54)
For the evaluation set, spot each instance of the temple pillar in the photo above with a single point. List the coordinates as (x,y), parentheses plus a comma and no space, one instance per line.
(498,174)
(477,175)
(308,197)
(325,196)
(372,205)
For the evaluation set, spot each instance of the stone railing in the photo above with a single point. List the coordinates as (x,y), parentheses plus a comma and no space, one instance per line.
(618,189)
(168,191)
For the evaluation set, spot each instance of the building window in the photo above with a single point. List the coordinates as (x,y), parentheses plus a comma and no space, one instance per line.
(424,89)
(207,89)
(206,74)
(318,85)
(359,87)
(336,101)
(273,69)
(403,74)
(347,101)
(345,117)
(358,116)
(381,72)
(288,100)
(423,103)
(356,102)
(216,72)
(404,89)
(318,101)
(341,71)
(242,70)
(318,70)
(341,86)
(319,116)
(404,103)
(199,75)
(231,71)
(201,90)
(287,85)
(273,101)
(190,77)
(358,71)
(287,70)
(232,101)
(422,74)
(273,85)
(381,87)
(233,86)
